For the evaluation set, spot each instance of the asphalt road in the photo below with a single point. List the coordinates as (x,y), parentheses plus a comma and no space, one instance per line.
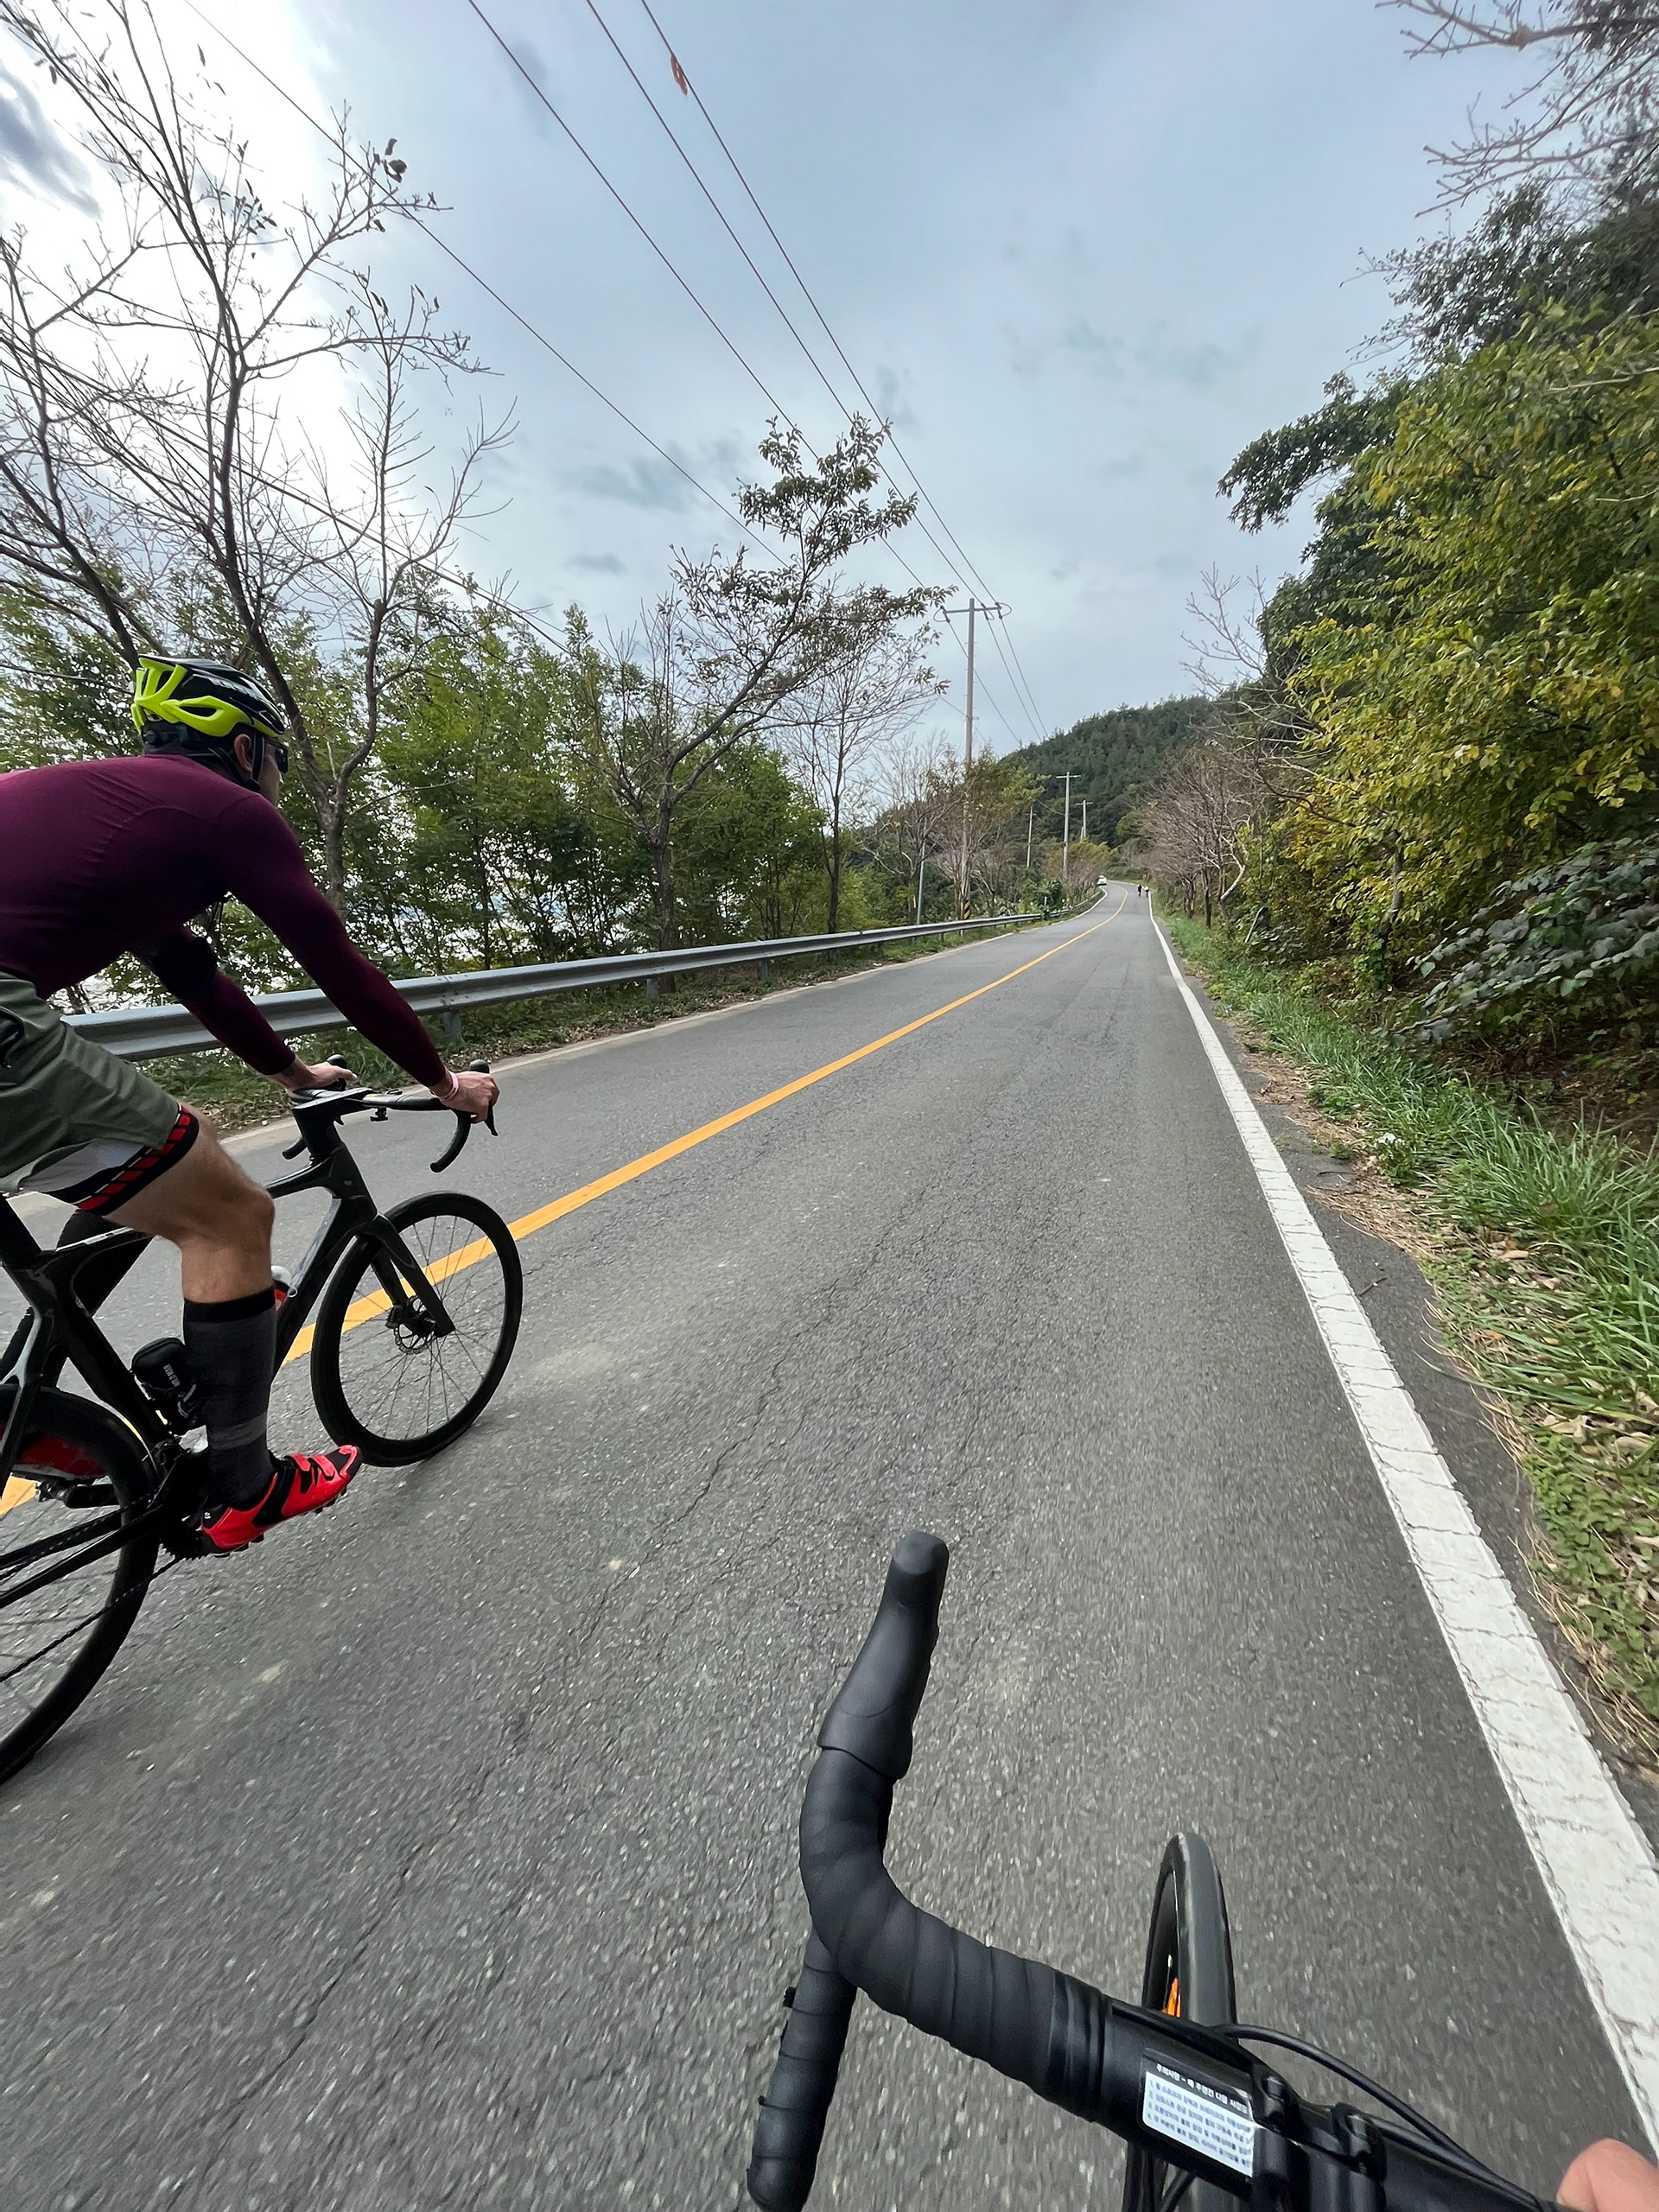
(442,1853)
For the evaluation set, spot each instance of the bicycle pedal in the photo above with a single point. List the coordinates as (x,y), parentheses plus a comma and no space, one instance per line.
(81,1495)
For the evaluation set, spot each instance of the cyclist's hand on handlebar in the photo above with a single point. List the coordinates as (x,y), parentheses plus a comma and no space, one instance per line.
(474,1095)
(1609,2177)
(332,1075)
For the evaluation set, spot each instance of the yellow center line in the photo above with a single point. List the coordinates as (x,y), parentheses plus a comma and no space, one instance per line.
(377,1301)
(15,1491)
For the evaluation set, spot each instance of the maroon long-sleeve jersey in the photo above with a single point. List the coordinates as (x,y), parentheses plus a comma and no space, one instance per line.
(102,857)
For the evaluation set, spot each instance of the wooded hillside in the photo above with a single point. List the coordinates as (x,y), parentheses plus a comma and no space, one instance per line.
(1115,758)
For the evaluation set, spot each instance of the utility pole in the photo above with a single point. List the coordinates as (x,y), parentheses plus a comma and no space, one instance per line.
(1031,818)
(1083,839)
(967,754)
(992,607)
(1065,846)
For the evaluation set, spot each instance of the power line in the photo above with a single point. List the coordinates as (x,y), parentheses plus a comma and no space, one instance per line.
(485,285)
(683,80)
(696,178)
(669,264)
(951,567)
(981,687)
(541,338)
(754,266)
(686,287)
(754,375)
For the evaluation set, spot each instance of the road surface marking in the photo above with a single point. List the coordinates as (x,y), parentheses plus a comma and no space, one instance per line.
(15,1492)
(544,1217)
(1593,1859)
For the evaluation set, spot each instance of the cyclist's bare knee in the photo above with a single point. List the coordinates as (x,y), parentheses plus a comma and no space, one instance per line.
(218,1218)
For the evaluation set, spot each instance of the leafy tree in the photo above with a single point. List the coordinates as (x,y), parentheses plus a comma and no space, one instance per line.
(1497,704)
(1274,470)
(1584,929)
(149,395)
(473,759)
(733,645)
(746,851)
(1459,291)
(870,693)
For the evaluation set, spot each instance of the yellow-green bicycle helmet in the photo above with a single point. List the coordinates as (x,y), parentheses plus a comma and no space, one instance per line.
(198,707)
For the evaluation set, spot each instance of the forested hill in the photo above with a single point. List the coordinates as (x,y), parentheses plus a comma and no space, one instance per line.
(1114,759)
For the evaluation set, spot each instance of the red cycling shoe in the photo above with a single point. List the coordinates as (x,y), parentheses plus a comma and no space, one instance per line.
(303,1483)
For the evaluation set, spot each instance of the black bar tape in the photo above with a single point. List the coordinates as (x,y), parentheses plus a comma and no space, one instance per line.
(790,2131)
(1038,2026)
(875,1710)
(1066,2041)
(1029,2022)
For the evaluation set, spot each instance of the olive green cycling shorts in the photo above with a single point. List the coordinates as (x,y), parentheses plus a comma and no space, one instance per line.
(69,1111)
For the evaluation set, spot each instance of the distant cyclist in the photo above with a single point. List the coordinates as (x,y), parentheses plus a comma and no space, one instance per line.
(103,857)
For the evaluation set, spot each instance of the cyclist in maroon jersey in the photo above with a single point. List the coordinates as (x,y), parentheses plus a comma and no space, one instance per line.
(103,857)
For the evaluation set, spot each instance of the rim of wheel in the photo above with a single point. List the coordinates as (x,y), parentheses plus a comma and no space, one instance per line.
(55,1641)
(402,1384)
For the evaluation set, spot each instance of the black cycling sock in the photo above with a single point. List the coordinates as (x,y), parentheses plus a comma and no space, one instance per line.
(232,1348)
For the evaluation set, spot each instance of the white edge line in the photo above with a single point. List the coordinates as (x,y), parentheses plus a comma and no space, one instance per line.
(1594,1860)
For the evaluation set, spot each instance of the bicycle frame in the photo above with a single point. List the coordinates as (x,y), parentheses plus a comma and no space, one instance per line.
(59,1328)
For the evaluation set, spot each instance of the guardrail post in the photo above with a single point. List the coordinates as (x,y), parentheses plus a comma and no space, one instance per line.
(763,971)
(651,986)
(452,1022)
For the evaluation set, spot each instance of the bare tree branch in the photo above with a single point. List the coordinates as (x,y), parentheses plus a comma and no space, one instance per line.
(148,468)
(1588,119)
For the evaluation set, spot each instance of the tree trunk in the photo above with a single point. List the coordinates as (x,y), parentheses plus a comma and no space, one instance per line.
(333,845)
(486,916)
(835,863)
(662,870)
(1208,896)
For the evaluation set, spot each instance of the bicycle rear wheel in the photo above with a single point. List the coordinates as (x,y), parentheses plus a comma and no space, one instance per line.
(392,1376)
(1189,1974)
(57,1639)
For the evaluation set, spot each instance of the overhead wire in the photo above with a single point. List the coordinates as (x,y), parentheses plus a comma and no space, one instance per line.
(951,567)
(981,687)
(1022,688)
(684,282)
(541,338)
(485,286)
(759,277)
(689,290)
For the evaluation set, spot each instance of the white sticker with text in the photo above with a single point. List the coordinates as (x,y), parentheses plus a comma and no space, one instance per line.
(1213,2122)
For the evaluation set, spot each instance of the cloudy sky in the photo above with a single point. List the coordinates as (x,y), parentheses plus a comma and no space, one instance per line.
(1080,250)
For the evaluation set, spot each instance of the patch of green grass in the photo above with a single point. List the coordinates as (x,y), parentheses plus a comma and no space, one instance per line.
(1549,1281)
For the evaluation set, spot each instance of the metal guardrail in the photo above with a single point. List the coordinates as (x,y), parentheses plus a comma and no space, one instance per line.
(149,1032)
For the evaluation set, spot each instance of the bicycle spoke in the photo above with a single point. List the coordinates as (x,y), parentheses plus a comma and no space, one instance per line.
(402,1383)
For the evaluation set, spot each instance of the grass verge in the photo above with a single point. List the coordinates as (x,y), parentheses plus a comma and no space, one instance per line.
(237,1098)
(1543,1247)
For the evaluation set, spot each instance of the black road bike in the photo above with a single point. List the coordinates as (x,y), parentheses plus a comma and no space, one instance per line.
(1207,2122)
(417,1311)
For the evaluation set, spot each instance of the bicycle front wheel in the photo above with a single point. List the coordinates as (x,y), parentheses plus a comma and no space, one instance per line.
(1189,1974)
(66,1601)
(391,1373)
